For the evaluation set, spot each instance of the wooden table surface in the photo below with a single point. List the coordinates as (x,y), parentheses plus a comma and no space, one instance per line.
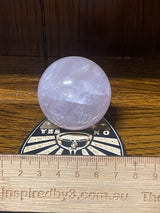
(134,110)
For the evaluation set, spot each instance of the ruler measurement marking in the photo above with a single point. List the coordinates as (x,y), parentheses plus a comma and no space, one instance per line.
(125,163)
(135,166)
(77,165)
(143,162)
(96,164)
(1,163)
(115,166)
(136,162)
(20,172)
(115,170)
(39,164)
(58,164)
(106,163)
(1,172)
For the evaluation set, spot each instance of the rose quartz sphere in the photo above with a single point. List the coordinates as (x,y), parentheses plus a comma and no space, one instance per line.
(74,93)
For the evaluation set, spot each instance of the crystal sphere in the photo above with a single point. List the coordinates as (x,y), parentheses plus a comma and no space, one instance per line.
(74,93)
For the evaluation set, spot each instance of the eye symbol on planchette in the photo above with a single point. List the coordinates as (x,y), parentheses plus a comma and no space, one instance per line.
(74,141)
(100,140)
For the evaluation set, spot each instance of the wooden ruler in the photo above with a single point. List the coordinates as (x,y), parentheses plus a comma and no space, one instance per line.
(36,183)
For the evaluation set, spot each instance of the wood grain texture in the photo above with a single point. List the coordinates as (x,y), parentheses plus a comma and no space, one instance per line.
(80,27)
(108,28)
(134,111)
(21,31)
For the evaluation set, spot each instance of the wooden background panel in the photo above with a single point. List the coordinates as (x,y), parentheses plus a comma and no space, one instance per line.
(21,30)
(110,28)
(80,27)
(134,110)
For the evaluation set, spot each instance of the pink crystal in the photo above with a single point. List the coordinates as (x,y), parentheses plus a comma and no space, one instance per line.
(74,93)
